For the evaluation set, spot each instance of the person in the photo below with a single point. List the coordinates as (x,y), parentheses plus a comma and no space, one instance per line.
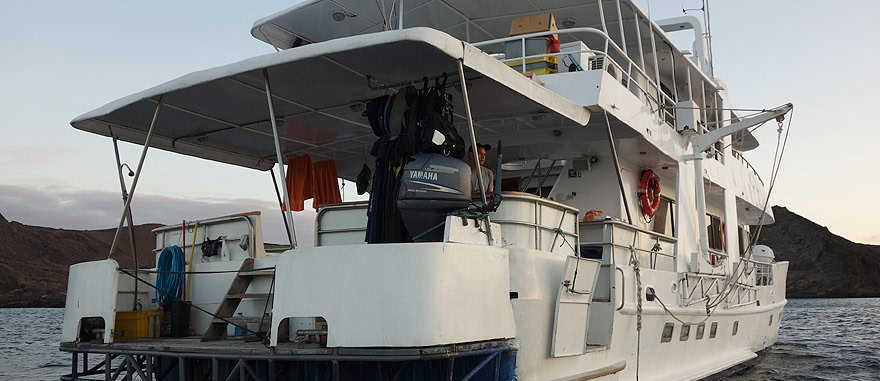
(488,175)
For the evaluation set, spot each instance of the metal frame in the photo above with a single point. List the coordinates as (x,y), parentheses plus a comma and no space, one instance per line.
(130,220)
(469,359)
(137,175)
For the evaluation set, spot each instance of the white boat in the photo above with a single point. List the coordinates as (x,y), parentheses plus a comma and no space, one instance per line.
(623,245)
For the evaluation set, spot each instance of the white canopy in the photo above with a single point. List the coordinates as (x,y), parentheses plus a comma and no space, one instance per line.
(222,113)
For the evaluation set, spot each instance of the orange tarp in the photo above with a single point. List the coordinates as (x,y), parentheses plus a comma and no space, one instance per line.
(307,180)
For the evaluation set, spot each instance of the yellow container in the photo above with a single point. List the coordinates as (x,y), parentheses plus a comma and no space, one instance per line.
(136,324)
(539,66)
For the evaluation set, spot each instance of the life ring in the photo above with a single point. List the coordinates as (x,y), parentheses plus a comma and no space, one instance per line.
(649,192)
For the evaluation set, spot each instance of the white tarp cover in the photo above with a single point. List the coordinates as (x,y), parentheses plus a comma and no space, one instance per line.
(222,114)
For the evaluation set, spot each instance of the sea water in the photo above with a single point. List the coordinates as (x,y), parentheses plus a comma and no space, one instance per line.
(820,339)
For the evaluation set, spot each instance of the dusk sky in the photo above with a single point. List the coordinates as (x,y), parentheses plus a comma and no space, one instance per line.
(61,59)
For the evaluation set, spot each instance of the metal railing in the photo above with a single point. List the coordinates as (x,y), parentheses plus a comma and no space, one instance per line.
(203,224)
(742,159)
(653,253)
(654,99)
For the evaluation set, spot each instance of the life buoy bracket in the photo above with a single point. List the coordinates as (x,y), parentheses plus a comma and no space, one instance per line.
(649,193)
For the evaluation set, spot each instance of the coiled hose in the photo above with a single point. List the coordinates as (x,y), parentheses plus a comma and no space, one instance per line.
(170,282)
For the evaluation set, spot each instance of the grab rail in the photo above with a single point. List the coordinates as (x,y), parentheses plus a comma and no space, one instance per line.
(251,238)
(742,159)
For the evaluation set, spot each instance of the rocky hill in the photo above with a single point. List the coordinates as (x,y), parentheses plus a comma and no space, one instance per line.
(823,265)
(34,260)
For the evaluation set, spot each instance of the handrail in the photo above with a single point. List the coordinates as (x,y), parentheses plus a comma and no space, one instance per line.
(622,288)
(742,158)
(663,237)
(609,42)
(251,238)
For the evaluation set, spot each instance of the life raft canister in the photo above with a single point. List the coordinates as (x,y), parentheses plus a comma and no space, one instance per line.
(649,192)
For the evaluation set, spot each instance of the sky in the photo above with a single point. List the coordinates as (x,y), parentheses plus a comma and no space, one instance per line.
(62,59)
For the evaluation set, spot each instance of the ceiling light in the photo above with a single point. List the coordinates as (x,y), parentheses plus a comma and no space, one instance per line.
(338,15)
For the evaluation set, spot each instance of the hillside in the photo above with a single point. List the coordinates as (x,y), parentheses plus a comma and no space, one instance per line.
(34,260)
(823,265)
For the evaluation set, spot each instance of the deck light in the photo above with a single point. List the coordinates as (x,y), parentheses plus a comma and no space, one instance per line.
(338,15)
(130,172)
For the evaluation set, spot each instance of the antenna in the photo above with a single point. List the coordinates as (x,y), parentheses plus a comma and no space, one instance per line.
(707,34)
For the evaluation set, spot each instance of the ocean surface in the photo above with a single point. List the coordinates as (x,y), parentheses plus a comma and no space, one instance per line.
(820,339)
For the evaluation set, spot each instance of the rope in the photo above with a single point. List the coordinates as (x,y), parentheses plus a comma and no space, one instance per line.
(422,234)
(560,233)
(158,291)
(634,262)
(777,164)
(171,285)
(199,272)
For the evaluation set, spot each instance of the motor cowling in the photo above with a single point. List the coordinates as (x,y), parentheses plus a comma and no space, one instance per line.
(432,186)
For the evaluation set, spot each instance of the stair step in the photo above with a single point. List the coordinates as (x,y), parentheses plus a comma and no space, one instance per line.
(248,296)
(257,273)
(242,320)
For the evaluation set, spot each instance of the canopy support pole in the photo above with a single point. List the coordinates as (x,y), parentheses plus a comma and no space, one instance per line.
(137,175)
(130,219)
(400,14)
(473,136)
(617,167)
(290,231)
(281,206)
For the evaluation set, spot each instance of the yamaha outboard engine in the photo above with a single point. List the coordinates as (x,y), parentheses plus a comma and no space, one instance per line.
(432,185)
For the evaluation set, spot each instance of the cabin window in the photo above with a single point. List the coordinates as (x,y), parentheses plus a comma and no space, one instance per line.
(664,218)
(771,319)
(735,327)
(713,330)
(763,274)
(716,233)
(685,332)
(667,333)
(700,329)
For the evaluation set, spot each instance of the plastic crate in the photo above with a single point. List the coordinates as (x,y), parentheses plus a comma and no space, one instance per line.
(135,324)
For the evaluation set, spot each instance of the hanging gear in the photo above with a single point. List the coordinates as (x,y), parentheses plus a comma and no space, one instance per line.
(649,192)
(411,122)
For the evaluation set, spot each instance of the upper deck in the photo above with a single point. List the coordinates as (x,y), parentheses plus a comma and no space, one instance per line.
(615,36)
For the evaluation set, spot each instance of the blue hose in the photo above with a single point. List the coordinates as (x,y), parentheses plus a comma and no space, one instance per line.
(170,286)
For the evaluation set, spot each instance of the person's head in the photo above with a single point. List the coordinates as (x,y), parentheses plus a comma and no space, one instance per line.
(482,149)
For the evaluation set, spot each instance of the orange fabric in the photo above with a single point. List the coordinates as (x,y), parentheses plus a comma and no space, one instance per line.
(326,183)
(300,182)
(307,180)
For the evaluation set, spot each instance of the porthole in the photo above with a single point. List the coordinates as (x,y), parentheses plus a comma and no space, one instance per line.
(667,333)
(735,327)
(685,332)
(700,329)
(713,330)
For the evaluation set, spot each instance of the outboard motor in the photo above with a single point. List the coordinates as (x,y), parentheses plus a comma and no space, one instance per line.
(431,186)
